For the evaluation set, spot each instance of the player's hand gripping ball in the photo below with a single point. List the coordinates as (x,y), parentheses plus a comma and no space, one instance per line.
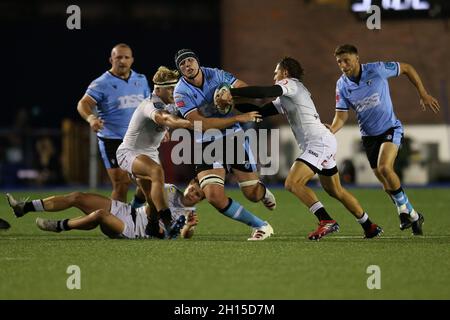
(223,99)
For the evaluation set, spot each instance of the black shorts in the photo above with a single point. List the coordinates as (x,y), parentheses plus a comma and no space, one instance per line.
(247,164)
(324,172)
(108,149)
(372,144)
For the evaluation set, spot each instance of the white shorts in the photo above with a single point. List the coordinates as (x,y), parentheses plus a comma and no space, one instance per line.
(122,211)
(125,157)
(321,153)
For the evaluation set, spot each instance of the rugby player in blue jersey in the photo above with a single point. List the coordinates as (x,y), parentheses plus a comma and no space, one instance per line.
(365,89)
(115,95)
(194,99)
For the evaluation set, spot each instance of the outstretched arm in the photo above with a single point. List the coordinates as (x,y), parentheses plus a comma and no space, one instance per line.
(163,118)
(188,230)
(340,117)
(257,91)
(266,110)
(222,123)
(426,100)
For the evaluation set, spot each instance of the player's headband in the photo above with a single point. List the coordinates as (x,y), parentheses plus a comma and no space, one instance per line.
(184,54)
(165,84)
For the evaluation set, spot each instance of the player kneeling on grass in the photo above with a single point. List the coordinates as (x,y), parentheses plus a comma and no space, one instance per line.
(138,154)
(317,143)
(116,219)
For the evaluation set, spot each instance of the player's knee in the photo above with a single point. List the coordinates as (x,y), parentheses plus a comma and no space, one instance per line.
(291,184)
(75,197)
(336,193)
(252,195)
(385,170)
(252,189)
(99,214)
(156,173)
(217,198)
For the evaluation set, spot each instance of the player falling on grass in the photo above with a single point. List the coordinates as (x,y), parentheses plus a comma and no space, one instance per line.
(138,153)
(365,89)
(115,95)
(194,99)
(317,144)
(115,218)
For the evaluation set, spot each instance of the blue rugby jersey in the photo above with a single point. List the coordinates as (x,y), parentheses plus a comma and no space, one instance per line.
(370,98)
(117,99)
(189,97)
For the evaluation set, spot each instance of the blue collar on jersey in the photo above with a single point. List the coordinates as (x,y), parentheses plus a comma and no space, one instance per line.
(200,69)
(126,80)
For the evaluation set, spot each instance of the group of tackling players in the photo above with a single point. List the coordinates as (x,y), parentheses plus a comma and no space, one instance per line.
(131,123)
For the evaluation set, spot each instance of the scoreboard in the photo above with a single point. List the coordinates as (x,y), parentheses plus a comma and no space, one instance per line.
(403,8)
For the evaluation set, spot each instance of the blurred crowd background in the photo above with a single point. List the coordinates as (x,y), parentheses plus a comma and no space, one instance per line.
(47,68)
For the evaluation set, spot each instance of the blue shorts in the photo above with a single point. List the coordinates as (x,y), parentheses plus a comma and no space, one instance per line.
(108,149)
(247,164)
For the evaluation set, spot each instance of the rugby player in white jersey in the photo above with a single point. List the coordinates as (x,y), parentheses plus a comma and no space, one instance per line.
(317,144)
(138,154)
(115,218)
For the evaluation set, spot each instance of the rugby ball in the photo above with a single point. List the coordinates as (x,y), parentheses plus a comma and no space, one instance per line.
(220,90)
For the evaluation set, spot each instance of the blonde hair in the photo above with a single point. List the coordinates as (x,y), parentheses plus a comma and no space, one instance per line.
(165,76)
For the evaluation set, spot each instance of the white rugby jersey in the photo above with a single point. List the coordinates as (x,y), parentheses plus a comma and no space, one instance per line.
(296,104)
(143,132)
(174,196)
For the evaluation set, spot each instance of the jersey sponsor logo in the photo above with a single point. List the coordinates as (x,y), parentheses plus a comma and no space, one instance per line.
(367,103)
(390,65)
(130,101)
(337,97)
(228,77)
(180,104)
(315,154)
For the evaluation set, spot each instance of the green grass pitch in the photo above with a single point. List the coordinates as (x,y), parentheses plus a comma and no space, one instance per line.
(219,263)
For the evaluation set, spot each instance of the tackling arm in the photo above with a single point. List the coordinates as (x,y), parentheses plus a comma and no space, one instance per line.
(257,91)
(222,123)
(266,110)
(426,100)
(163,118)
(340,117)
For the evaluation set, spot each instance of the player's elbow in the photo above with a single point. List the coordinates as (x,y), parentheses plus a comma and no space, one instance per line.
(160,118)
(405,68)
(80,107)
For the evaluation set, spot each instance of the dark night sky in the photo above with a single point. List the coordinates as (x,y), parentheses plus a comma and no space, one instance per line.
(49,67)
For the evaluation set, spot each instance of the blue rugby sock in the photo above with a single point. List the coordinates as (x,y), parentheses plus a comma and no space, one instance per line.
(236,211)
(401,200)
